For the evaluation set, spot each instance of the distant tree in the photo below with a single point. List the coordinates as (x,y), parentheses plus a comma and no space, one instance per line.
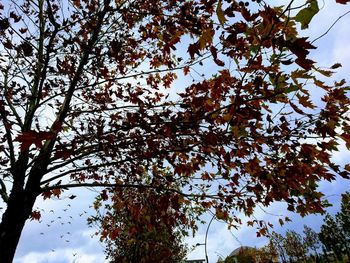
(142,225)
(293,244)
(344,214)
(245,255)
(311,240)
(325,254)
(278,241)
(331,236)
(343,220)
(267,253)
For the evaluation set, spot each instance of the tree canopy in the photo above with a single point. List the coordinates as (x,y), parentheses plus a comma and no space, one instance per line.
(102,93)
(142,225)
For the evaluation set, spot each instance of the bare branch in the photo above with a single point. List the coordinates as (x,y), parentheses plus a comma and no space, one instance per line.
(329,29)
(68,186)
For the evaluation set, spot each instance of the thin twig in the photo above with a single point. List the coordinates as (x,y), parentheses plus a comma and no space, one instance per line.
(329,29)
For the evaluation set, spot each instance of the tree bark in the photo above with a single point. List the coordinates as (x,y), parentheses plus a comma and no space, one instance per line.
(19,209)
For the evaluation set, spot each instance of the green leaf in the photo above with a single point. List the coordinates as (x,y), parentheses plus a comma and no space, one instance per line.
(206,38)
(220,13)
(305,15)
(326,73)
(292,88)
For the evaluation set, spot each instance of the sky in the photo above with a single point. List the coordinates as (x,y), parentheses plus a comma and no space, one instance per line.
(63,236)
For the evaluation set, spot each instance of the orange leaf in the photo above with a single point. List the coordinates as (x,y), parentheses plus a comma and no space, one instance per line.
(77,3)
(56,192)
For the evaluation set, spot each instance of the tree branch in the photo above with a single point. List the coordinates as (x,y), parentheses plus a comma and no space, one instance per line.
(40,166)
(68,186)
(9,139)
(329,29)
(3,191)
(85,168)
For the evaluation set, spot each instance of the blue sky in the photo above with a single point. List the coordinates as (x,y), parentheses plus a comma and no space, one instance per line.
(63,235)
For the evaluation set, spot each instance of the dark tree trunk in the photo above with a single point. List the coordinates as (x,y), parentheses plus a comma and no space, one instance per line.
(19,209)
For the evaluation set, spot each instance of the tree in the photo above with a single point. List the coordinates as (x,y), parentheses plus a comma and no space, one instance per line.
(267,253)
(88,99)
(343,220)
(142,226)
(311,240)
(243,255)
(278,242)
(295,249)
(332,237)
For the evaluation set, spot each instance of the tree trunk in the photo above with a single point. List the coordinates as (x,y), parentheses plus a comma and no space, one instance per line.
(19,209)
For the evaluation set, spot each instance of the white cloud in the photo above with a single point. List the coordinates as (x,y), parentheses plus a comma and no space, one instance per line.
(67,255)
(86,249)
(62,232)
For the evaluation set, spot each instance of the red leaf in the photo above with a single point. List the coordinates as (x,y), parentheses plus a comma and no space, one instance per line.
(47,195)
(344,2)
(15,17)
(77,3)
(346,138)
(32,137)
(23,30)
(35,215)
(186,70)
(7,44)
(64,154)
(104,195)
(305,63)
(193,49)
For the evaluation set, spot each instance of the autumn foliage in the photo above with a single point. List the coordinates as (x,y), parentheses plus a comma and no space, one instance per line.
(143,225)
(99,93)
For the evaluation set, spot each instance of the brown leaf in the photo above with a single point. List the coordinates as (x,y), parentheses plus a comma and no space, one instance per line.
(35,215)
(26,48)
(4,24)
(15,17)
(193,49)
(77,3)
